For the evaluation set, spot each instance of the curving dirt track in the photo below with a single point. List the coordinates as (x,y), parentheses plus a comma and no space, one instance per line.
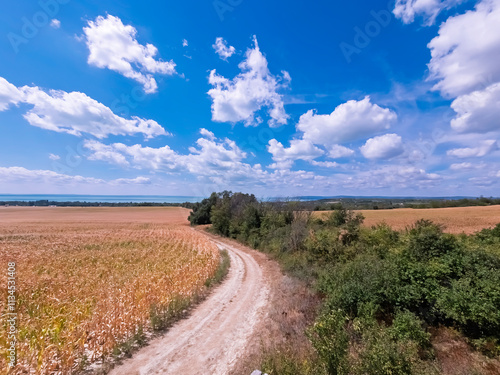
(216,334)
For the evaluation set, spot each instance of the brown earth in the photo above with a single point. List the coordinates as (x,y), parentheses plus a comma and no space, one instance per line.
(456,357)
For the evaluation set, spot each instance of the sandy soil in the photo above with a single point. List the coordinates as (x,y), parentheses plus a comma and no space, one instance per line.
(215,336)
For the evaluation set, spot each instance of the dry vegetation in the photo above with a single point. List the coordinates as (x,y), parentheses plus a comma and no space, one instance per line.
(455,220)
(90,279)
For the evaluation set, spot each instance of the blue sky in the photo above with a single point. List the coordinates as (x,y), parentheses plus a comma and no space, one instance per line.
(281,98)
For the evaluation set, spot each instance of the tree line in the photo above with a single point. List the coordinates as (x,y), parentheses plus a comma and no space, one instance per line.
(48,203)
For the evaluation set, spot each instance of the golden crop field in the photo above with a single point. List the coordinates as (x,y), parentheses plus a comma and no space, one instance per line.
(88,278)
(455,220)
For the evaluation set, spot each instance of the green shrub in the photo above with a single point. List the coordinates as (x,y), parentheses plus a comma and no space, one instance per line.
(384,356)
(330,339)
(448,284)
(427,240)
(366,279)
(380,239)
(352,228)
(338,217)
(418,285)
(495,232)
(474,303)
(426,267)
(489,236)
(406,326)
(323,244)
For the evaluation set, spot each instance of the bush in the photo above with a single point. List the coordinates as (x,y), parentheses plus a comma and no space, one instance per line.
(331,341)
(324,244)
(490,236)
(338,217)
(382,355)
(473,302)
(380,239)
(427,241)
(298,232)
(442,282)
(367,279)
(495,232)
(406,326)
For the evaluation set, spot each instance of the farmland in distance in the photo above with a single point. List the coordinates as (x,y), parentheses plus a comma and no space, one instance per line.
(455,220)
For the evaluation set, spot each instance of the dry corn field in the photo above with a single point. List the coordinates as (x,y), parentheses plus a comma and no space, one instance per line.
(87,278)
(455,220)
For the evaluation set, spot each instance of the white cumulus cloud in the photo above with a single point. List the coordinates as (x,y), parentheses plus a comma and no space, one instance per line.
(207,134)
(324,164)
(338,151)
(485,148)
(209,157)
(76,113)
(73,113)
(212,157)
(464,166)
(222,49)
(384,147)
(137,156)
(113,45)
(216,162)
(478,112)
(11,174)
(299,150)
(466,52)
(9,94)
(239,99)
(350,121)
(40,176)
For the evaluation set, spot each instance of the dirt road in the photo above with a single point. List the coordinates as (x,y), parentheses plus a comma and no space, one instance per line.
(217,333)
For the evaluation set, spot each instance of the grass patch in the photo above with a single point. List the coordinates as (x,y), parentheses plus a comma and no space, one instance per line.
(222,270)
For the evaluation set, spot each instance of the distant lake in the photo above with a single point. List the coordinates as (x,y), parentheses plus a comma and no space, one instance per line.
(163,198)
(100,198)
